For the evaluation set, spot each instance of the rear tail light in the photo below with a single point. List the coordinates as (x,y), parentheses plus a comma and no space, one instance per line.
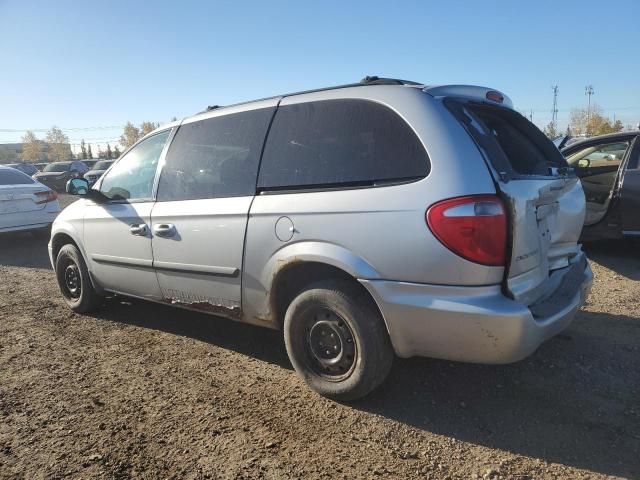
(473,227)
(46,197)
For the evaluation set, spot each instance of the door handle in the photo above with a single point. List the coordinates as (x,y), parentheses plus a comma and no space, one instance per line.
(164,229)
(138,229)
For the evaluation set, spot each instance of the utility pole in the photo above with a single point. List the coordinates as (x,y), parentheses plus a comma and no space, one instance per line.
(588,90)
(554,111)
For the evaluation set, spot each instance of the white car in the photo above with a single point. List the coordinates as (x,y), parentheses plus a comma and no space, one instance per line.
(25,204)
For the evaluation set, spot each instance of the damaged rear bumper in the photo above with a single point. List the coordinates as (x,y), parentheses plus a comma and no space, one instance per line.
(472,324)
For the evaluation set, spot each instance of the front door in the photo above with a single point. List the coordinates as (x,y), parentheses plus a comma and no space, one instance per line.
(597,166)
(205,191)
(117,234)
(630,192)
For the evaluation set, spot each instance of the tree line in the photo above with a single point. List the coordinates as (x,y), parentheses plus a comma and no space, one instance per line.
(59,146)
(586,122)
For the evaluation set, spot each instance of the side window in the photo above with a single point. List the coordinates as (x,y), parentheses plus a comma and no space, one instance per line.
(597,156)
(132,176)
(214,158)
(340,143)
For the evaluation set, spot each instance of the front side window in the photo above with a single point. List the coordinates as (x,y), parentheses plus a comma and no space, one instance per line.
(335,143)
(598,156)
(132,177)
(214,158)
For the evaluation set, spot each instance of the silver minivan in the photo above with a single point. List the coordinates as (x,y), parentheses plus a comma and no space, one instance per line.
(378,218)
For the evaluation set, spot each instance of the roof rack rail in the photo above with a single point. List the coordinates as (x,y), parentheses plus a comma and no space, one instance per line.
(368,80)
(375,80)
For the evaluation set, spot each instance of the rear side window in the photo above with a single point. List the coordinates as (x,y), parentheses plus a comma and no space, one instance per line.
(512,143)
(215,158)
(9,176)
(340,143)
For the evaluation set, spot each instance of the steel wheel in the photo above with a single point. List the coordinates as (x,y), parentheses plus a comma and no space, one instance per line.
(330,344)
(72,281)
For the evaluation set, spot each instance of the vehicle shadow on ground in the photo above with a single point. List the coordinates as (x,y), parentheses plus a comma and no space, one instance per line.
(23,249)
(574,402)
(621,256)
(257,342)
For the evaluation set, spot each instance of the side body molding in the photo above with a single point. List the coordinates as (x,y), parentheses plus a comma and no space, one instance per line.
(258,283)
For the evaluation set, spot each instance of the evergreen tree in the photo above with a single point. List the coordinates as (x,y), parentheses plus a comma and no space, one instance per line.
(109,153)
(89,153)
(83,150)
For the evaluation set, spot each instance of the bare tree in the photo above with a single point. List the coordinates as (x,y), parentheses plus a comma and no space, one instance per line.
(31,148)
(130,135)
(147,127)
(59,148)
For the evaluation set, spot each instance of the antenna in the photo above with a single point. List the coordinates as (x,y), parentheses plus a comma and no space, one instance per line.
(588,90)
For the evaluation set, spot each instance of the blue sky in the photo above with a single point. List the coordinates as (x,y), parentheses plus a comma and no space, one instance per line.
(102,63)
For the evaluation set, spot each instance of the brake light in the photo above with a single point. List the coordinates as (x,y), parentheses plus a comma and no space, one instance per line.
(45,197)
(494,96)
(473,227)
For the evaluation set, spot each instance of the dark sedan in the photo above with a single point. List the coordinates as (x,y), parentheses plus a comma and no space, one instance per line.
(97,170)
(28,168)
(609,168)
(57,174)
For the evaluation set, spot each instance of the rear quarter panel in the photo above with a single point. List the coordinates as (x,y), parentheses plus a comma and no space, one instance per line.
(373,233)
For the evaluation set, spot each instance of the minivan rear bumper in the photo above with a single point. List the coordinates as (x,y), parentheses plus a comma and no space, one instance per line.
(467,324)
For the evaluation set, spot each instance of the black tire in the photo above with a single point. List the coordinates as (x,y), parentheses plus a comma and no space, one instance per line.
(329,322)
(74,282)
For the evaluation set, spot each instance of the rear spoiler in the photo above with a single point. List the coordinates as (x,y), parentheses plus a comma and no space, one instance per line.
(471,92)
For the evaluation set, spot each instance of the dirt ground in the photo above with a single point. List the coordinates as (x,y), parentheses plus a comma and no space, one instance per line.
(142,390)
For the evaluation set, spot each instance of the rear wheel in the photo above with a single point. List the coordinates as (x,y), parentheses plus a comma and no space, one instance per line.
(74,282)
(337,340)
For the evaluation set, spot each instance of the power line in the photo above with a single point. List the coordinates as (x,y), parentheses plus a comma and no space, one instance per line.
(68,129)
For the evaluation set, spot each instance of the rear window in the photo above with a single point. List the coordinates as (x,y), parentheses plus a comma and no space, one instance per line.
(512,143)
(336,143)
(9,176)
(57,167)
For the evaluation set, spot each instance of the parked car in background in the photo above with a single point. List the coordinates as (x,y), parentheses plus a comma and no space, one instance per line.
(28,168)
(608,166)
(25,204)
(56,175)
(321,213)
(40,166)
(90,163)
(98,169)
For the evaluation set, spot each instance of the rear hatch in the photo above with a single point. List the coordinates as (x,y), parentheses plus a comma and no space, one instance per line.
(543,196)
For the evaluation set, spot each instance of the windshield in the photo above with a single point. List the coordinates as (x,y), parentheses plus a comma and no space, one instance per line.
(102,165)
(57,167)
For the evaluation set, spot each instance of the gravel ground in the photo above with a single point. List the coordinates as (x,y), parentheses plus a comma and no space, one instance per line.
(142,390)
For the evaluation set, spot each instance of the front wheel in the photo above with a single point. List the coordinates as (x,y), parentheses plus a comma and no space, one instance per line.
(74,282)
(337,340)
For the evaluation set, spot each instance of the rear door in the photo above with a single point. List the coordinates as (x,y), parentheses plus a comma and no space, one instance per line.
(544,199)
(205,191)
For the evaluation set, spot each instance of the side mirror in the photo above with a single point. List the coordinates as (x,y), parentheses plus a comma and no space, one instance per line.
(77,186)
(584,163)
